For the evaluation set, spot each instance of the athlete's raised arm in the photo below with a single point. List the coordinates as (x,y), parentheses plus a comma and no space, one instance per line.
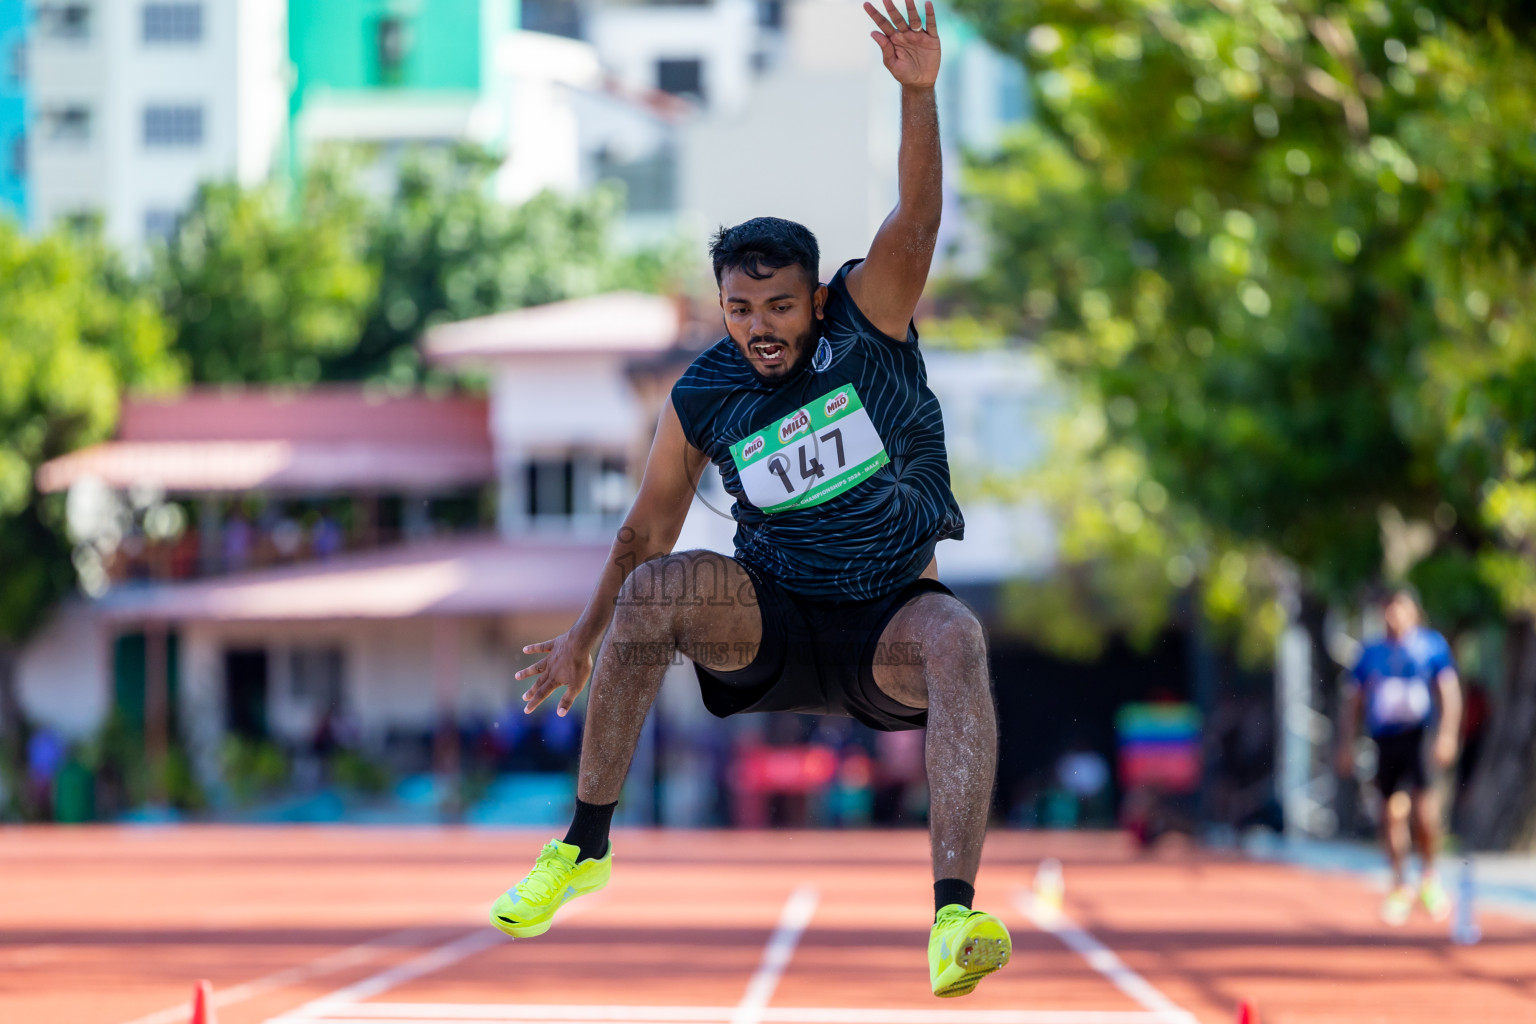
(887,285)
(671,473)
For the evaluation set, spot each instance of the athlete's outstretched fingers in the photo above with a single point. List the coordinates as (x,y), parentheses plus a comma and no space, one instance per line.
(895,15)
(565,702)
(542,647)
(538,693)
(532,670)
(933,27)
(913,21)
(879,19)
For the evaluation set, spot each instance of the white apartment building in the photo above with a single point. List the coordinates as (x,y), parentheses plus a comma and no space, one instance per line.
(792,113)
(137,102)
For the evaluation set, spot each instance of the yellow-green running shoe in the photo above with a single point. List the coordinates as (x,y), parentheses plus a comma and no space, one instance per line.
(964,947)
(1435,899)
(556,879)
(1397,906)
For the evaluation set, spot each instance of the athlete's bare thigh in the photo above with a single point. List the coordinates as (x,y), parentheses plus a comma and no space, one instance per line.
(710,602)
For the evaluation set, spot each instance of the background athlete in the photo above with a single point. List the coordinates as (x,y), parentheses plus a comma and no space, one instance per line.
(1406,688)
(816,410)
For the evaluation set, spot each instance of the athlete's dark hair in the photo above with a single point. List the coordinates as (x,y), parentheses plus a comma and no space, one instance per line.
(762,245)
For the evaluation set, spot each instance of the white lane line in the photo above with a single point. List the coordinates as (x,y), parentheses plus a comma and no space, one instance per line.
(329,964)
(341,1001)
(472,1013)
(797,913)
(1103,959)
(344,1002)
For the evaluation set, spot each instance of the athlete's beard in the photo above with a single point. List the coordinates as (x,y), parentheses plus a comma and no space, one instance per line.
(807,343)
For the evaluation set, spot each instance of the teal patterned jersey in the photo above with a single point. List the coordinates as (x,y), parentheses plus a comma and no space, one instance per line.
(839,475)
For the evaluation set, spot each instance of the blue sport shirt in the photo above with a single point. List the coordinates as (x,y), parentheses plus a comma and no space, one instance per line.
(878,533)
(1398,680)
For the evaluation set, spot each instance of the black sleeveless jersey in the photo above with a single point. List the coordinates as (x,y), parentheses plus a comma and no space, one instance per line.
(839,474)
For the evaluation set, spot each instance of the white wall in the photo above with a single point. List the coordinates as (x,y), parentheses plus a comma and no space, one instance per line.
(815,140)
(62,675)
(631,38)
(237,73)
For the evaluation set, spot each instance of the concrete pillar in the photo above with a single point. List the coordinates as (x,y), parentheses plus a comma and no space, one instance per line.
(157,707)
(445,685)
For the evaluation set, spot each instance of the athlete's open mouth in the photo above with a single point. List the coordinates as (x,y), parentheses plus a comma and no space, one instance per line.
(769,351)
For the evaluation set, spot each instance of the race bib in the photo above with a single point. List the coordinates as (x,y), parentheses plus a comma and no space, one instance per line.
(1399,701)
(815,453)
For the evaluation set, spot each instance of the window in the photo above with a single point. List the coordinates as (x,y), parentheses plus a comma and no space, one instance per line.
(394,43)
(585,484)
(681,77)
(64,22)
(173,23)
(315,677)
(68,124)
(173,126)
(160,224)
(650,182)
(552,17)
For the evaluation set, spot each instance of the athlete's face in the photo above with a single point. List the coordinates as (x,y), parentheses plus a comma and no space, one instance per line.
(774,320)
(1400,615)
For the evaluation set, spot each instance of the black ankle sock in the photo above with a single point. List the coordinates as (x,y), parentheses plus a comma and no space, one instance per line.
(952,890)
(589,829)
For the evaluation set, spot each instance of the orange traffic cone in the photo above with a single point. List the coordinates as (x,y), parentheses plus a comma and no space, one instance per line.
(202,1004)
(1247,1012)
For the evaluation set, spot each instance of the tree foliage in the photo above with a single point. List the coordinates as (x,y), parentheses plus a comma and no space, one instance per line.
(1274,232)
(259,289)
(262,286)
(446,249)
(1291,241)
(74,331)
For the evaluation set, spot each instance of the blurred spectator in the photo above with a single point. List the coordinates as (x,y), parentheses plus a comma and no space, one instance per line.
(1083,775)
(45,756)
(900,777)
(237,542)
(326,539)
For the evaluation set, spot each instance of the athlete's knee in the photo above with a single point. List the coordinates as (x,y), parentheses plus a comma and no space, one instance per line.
(644,608)
(954,632)
(663,592)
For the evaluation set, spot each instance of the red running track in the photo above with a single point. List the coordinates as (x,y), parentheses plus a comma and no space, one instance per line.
(330,925)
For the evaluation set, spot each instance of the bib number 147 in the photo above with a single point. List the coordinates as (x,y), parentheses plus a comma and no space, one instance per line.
(815,453)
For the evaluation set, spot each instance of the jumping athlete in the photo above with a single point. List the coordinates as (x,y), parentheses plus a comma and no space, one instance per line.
(817,412)
(1406,687)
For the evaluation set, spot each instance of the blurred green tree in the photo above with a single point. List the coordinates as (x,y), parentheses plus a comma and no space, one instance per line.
(75,330)
(335,284)
(447,250)
(1288,244)
(259,288)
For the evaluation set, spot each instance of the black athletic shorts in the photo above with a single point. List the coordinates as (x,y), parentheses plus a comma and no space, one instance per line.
(1402,762)
(818,657)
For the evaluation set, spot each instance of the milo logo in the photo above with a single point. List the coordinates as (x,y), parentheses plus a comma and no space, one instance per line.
(753,447)
(837,403)
(799,422)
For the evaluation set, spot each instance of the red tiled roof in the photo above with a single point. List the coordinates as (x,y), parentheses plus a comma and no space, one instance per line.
(329,439)
(462,576)
(625,323)
(334,413)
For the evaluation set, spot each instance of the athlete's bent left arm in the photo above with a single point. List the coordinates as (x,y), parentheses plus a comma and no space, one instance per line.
(887,285)
(1446,738)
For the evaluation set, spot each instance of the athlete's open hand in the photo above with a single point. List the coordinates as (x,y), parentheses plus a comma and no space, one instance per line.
(568,663)
(910,51)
